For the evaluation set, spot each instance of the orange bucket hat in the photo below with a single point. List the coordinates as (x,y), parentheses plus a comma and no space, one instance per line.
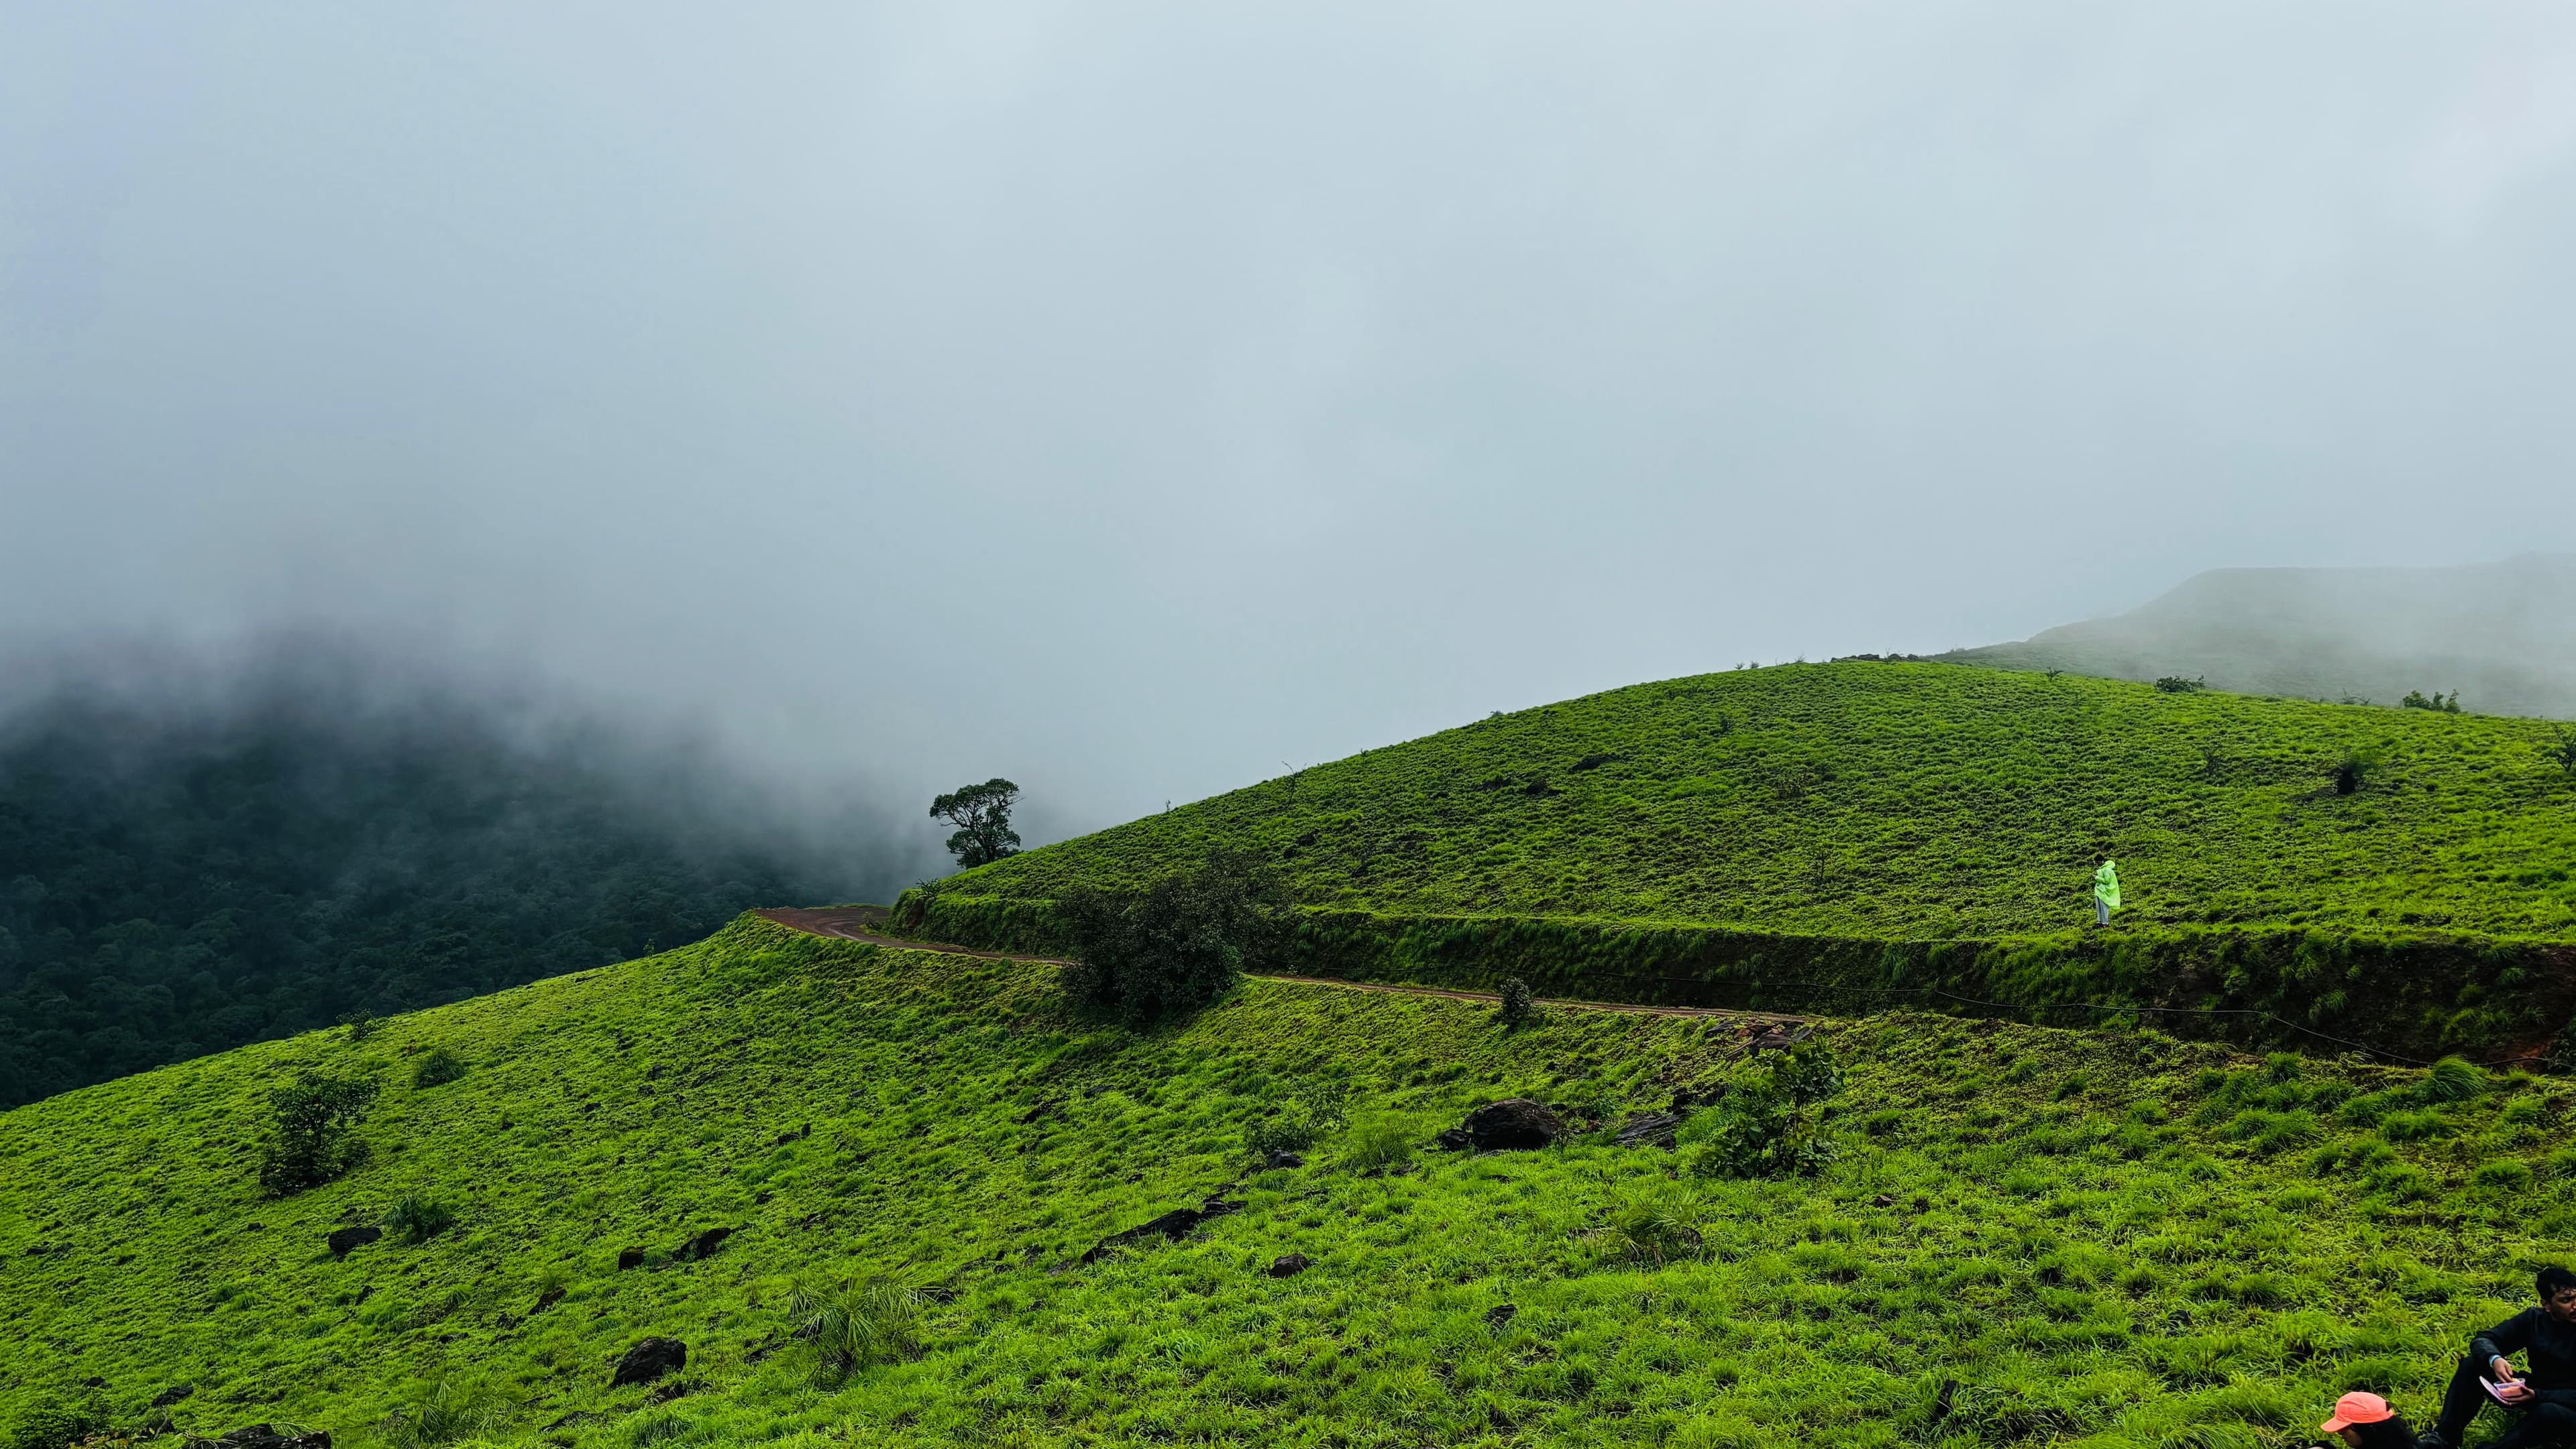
(2354,1409)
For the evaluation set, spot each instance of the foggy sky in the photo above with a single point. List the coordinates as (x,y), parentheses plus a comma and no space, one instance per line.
(1133,400)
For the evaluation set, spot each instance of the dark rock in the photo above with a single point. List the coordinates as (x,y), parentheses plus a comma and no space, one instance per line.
(1500,1314)
(1454,1139)
(364,1293)
(1780,1037)
(1175,1225)
(1923,1204)
(1513,1125)
(94,1382)
(1282,1157)
(1882,1200)
(1291,1265)
(701,1245)
(629,1258)
(266,1436)
(670,1391)
(342,1242)
(650,1359)
(1651,1129)
(548,1299)
(173,1394)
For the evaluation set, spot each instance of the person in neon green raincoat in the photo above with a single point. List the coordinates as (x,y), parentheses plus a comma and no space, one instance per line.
(2106,894)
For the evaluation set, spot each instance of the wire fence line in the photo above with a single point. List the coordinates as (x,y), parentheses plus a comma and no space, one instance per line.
(1708,987)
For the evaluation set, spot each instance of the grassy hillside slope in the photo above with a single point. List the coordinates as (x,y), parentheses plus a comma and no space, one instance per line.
(2103,1239)
(1903,801)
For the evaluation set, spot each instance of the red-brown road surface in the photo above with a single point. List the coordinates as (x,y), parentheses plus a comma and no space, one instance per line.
(861,923)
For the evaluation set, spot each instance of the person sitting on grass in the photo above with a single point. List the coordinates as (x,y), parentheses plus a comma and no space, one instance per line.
(2365,1421)
(2544,1394)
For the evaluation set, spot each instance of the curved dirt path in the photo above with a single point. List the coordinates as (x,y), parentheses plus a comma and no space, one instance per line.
(860,923)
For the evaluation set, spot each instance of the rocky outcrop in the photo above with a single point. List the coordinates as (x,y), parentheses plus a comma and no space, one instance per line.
(1175,1225)
(1513,1125)
(701,1245)
(650,1359)
(347,1240)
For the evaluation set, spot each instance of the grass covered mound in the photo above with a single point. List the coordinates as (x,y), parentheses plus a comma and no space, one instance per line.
(1904,801)
(2107,1239)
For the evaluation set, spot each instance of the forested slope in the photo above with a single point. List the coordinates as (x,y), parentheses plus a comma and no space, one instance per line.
(2101,1239)
(177,882)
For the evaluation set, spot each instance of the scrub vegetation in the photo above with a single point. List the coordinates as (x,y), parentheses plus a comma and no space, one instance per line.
(1904,801)
(1992,1233)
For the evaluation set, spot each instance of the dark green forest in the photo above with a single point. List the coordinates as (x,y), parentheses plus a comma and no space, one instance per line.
(175,885)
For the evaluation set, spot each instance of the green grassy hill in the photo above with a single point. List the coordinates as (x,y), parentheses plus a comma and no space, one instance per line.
(2107,1239)
(1903,801)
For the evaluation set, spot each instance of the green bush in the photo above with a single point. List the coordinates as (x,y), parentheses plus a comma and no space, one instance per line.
(417,1218)
(312,1132)
(1656,1224)
(1377,1144)
(444,1413)
(2504,1175)
(1300,1122)
(56,1424)
(2453,1080)
(1766,1127)
(1518,1004)
(1176,945)
(438,1068)
(845,1330)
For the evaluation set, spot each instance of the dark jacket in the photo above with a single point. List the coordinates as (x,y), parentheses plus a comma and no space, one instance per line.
(2552,1346)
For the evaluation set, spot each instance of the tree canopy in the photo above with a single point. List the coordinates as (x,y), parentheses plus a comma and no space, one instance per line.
(982,815)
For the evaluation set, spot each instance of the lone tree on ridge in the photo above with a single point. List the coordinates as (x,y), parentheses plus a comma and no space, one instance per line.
(982,815)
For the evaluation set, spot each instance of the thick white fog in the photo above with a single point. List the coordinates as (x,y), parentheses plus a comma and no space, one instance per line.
(1132,399)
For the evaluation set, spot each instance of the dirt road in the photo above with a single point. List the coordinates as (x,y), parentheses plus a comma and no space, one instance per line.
(863,923)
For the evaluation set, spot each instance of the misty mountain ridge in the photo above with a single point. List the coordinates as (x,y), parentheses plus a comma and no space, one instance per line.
(2501,634)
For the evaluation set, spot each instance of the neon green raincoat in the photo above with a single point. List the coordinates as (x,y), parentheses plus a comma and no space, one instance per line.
(2106,886)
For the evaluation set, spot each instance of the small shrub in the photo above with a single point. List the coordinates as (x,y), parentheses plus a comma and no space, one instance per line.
(1518,1005)
(2176,684)
(2504,1175)
(444,1413)
(2400,1180)
(1375,1146)
(361,1024)
(1301,1122)
(2562,751)
(1656,1224)
(312,1134)
(438,1069)
(1176,945)
(2413,1126)
(2270,1133)
(2438,703)
(417,1218)
(1766,1127)
(2453,1080)
(843,1331)
(2354,770)
(56,1424)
